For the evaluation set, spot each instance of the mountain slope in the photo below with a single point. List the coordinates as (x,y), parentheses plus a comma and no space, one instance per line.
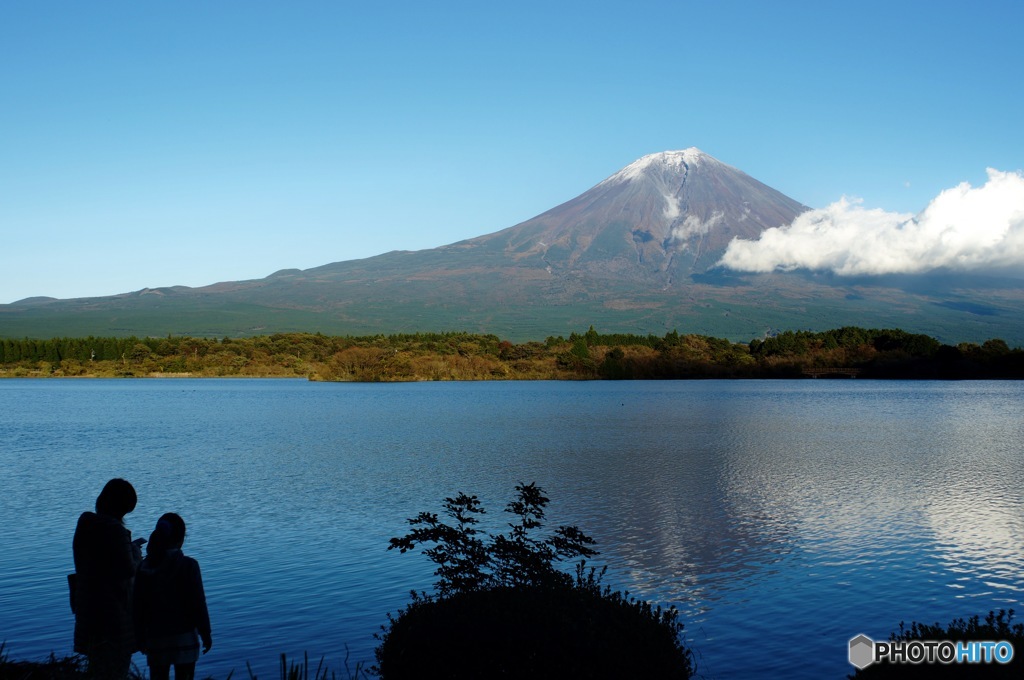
(634,254)
(667,213)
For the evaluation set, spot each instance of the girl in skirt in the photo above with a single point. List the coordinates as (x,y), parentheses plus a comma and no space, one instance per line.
(170,604)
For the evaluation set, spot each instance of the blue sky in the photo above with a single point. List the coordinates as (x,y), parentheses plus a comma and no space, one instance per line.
(157,144)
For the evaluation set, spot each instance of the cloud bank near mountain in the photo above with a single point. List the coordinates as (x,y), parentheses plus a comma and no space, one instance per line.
(963,229)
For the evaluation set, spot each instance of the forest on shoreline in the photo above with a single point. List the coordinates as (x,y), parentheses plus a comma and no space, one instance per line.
(844,352)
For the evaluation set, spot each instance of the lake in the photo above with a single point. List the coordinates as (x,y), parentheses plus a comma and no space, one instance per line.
(782,518)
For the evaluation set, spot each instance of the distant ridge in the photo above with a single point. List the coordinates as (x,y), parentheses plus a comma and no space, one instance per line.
(33,300)
(635,253)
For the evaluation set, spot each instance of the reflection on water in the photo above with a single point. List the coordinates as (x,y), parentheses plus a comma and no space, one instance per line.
(774,515)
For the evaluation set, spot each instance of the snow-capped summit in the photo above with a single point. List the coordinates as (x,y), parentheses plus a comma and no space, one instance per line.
(663,161)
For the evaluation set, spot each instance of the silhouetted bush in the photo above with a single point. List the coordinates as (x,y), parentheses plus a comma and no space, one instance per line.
(503,609)
(996,627)
(532,632)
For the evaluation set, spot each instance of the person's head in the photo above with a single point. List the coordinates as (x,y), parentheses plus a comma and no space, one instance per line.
(117,499)
(168,534)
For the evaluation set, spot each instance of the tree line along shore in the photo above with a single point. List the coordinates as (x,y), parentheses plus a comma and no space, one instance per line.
(843,352)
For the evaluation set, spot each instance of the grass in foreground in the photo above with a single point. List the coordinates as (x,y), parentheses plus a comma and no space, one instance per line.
(74,668)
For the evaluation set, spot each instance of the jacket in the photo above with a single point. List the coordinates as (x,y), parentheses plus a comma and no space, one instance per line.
(105,561)
(169,598)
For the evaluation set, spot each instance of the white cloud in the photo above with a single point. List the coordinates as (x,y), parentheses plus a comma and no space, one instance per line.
(673,206)
(694,226)
(963,229)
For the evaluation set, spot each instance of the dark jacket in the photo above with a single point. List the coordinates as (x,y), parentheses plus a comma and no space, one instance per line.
(169,598)
(105,561)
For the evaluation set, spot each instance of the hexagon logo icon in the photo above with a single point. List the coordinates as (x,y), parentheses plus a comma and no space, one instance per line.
(862,651)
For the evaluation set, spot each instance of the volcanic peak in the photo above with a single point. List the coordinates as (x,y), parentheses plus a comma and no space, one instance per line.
(674,162)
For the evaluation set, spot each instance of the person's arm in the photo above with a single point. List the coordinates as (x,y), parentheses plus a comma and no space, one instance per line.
(125,556)
(201,615)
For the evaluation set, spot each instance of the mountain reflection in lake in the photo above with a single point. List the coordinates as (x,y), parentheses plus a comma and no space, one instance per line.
(782,518)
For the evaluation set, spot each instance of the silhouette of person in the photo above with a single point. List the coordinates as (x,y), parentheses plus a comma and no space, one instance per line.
(105,562)
(170,604)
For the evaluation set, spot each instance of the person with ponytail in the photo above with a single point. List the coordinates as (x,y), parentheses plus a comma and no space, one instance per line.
(170,604)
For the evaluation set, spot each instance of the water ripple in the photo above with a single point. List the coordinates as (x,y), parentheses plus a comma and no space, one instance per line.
(763,511)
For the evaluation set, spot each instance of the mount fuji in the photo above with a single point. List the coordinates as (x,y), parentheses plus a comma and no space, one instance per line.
(665,216)
(636,253)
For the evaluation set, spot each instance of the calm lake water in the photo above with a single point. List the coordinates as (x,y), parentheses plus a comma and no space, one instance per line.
(781,517)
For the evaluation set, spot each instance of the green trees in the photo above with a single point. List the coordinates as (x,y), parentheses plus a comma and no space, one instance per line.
(886,353)
(503,608)
(802,343)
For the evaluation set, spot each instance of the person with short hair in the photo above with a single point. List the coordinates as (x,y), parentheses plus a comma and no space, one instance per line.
(105,562)
(170,604)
